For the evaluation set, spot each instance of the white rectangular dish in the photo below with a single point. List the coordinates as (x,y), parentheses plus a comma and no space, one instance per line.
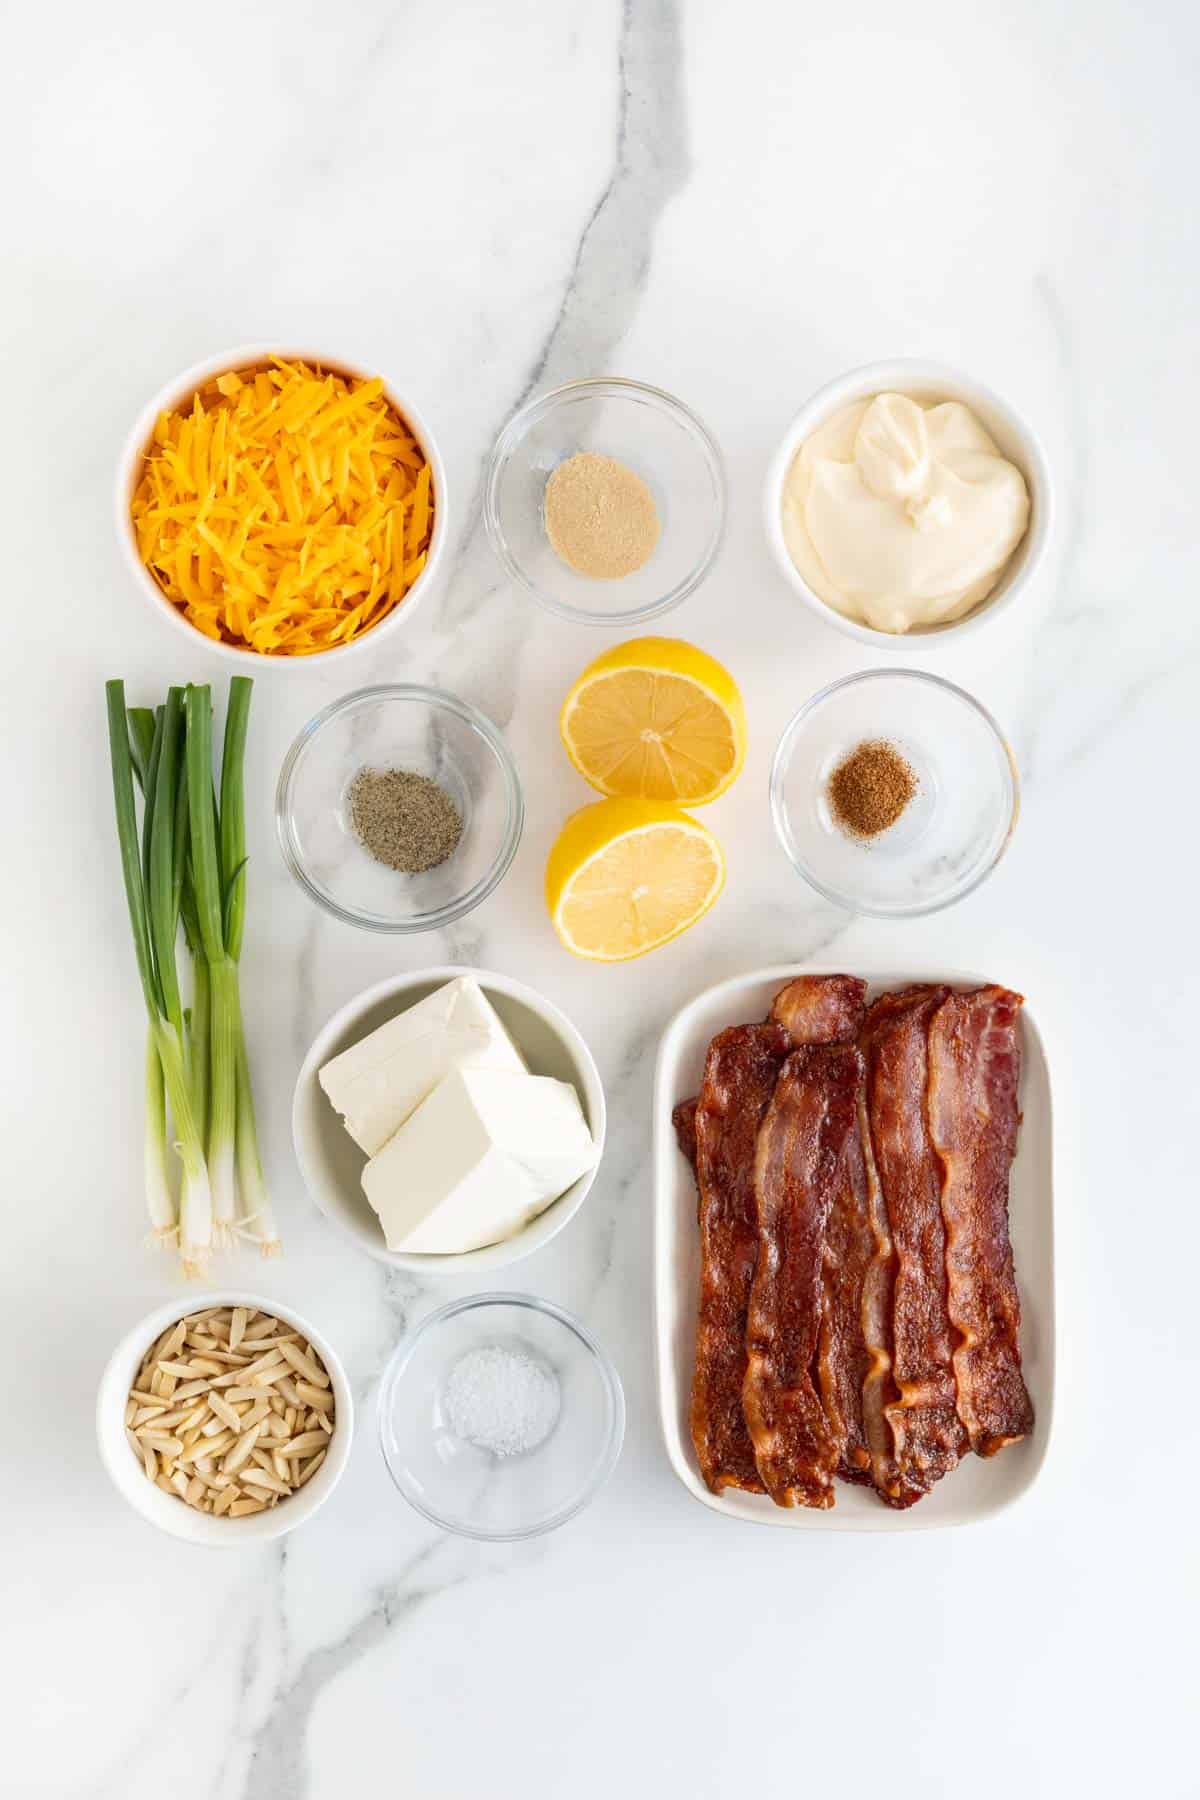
(979,1487)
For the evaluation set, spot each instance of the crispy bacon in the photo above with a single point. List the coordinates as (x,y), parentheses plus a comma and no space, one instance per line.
(684,1120)
(927,1435)
(974,1069)
(739,1079)
(821,1009)
(717,1133)
(844,1358)
(879,1277)
(800,1160)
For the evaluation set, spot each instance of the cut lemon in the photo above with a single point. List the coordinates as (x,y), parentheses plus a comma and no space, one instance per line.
(656,717)
(627,875)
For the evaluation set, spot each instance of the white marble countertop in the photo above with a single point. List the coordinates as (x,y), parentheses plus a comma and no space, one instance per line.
(736,204)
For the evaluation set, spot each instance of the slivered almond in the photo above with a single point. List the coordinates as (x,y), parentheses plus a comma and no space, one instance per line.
(309,1469)
(225,1412)
(266,1479)
(237,1328)
(305,1445)
(240,1451)
(304,1365)
(166,1446)
(190,1389)
(314,1396)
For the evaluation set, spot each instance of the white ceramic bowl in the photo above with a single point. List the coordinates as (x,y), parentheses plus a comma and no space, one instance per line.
(332,1163)
(164,1510)
(250,356)
(1015,437)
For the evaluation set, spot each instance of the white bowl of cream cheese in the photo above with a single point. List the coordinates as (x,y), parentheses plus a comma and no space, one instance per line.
(354,1084)
(908,502)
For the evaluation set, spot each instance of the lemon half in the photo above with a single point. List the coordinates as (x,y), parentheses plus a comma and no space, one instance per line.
(658,718)
(627,875)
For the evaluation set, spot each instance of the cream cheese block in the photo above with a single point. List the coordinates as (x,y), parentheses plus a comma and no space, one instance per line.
(377,1083)
(482,1156)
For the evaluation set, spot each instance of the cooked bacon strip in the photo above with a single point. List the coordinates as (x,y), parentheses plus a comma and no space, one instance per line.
(800,1153)
(739,1078)
(974,1069)
(927,1435)
(821,1009)
(830,1009)
(717,1132)
(684,1120)
(845,1358)
(879,1277)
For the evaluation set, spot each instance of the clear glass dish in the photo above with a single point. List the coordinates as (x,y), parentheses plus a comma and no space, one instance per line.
(652,434)
(953,831)
(476,1492)
(403,727)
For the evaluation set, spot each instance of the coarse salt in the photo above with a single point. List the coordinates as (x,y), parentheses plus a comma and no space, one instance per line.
(501,1400)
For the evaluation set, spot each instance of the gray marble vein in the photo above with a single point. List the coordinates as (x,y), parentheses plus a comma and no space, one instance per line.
(278,1760)
(607,276)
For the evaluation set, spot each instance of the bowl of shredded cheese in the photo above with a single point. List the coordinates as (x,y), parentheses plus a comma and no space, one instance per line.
(282,505)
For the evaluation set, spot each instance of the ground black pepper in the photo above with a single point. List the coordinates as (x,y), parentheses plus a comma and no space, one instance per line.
(870,788)
(405,820)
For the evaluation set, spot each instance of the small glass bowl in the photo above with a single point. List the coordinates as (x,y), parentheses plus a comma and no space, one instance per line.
(652,434)
(953,831)
(475,1492)
(402,727)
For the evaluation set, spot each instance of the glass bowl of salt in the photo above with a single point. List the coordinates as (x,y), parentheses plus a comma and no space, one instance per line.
(500,1417)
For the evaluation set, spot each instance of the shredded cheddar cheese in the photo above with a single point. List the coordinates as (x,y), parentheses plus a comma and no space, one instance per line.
(287,510)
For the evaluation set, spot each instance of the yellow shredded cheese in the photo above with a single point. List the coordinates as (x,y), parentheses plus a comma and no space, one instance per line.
(285,510)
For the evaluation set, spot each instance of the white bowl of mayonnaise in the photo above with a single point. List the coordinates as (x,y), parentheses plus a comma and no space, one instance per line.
(908,503)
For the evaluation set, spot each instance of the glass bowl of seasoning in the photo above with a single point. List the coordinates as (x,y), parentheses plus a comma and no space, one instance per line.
(894,793)
(399,808)
(500,1417)
(605,500)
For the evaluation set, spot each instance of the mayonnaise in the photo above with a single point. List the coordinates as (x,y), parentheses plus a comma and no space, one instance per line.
(899,514)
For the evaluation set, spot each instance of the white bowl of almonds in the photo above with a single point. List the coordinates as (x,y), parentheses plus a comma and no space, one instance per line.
(226,1420)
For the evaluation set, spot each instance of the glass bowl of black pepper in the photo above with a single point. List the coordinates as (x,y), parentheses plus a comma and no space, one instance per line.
(399,808)
(894,793)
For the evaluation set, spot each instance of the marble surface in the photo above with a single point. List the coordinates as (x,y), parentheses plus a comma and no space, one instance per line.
(735,203)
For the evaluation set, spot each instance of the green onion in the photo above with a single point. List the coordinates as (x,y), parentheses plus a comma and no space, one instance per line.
(256,1218)
(222,975)
(149,927)
(160,1199)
